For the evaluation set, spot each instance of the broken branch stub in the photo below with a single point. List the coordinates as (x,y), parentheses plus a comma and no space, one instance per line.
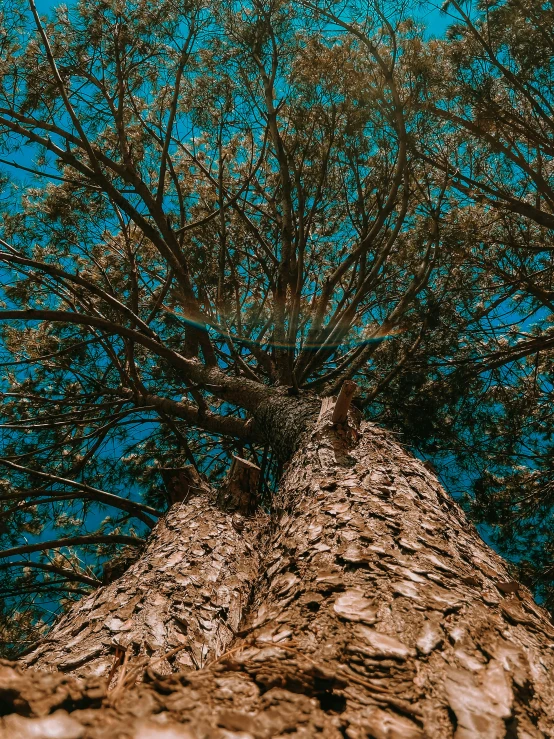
(180,483)
(340,412)
(239,492)
(327,405)
(340,406)
(114,568)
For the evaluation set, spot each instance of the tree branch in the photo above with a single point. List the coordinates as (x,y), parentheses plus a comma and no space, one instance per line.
(69,541)
(68,574)
(139,510)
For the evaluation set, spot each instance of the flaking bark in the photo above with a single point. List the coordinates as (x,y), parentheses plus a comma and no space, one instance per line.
(379,612)
(186,594)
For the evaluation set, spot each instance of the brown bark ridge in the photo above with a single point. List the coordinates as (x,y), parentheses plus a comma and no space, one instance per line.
(378,612)
(239,491)
(185,596)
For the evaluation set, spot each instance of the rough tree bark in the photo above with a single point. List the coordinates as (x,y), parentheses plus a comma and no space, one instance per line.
(185,596)
(378,612)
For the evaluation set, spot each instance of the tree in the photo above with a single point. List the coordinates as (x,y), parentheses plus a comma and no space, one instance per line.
(377,610)
(214,224)
(230,224)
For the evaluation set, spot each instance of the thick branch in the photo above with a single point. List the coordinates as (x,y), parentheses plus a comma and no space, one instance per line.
(240,391)
(234,426)
(70,541)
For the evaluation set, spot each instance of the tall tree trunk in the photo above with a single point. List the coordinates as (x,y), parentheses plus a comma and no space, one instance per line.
(185,596)
(378,612)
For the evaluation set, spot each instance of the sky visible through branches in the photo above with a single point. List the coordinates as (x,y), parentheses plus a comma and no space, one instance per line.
(435,22)
(389,198)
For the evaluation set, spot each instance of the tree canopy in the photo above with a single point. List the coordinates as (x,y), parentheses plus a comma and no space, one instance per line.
(208,205)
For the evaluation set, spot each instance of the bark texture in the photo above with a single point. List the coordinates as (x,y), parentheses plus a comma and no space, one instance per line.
(185,595)
(283,417)
(378,612)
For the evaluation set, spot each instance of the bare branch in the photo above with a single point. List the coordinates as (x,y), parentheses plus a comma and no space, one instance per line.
(71,541)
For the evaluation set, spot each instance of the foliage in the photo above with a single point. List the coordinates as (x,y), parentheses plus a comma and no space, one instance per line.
(487,123)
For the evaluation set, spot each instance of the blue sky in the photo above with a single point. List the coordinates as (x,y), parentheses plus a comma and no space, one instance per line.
(435,21)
